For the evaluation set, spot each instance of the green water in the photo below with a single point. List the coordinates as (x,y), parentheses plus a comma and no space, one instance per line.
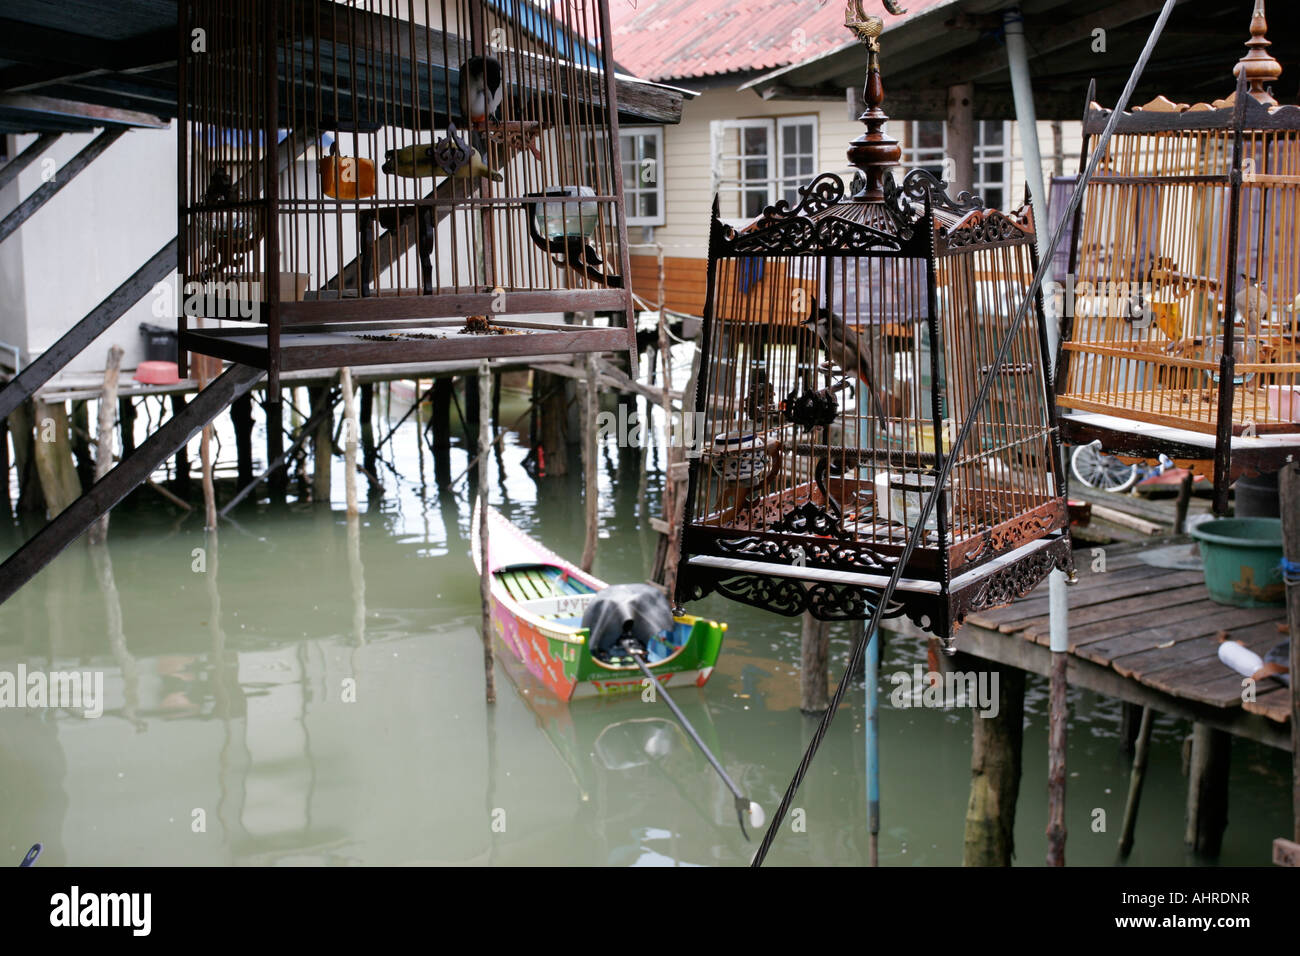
(225,707)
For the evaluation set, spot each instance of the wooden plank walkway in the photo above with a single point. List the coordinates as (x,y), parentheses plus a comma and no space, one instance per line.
(1145,635)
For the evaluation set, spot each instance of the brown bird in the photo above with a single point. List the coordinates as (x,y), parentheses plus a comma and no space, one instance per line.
(851,349)
(1253,304)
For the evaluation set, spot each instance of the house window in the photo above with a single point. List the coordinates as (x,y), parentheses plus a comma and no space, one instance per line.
(926,146)
(758,161)
(642,151)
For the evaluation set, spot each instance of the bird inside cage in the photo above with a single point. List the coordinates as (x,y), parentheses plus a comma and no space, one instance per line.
(228,235)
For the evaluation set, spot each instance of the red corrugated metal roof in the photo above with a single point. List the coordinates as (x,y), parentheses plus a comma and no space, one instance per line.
(680,39)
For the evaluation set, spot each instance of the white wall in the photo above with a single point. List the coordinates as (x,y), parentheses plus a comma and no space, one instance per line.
(77,248)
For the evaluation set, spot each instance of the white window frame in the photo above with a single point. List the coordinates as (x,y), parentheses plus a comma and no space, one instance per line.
(632,190)
(774,155)
(933,157)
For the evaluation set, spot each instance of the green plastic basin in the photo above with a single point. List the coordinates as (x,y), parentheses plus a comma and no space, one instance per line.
(1242,558)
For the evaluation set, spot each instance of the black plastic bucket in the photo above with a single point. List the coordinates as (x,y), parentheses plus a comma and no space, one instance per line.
(159,343)
(1257,497)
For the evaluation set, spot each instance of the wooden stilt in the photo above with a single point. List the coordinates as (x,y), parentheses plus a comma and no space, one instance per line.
(440,423)
(53,453)
(182,456)
(814,654)
(496,402)
(369,453)
(476,409)
(209,487)
(485,579)
(1207,789)
(31,499)
(1136,778)
(322,446)
(104,434)
(4,465)
(1183,503)
(590,484)
(278,479)
(79,434)
(1130,720)
(350,434)
(553,416)
(996,747)
(1289,495)
(126,424)
(241,419)
(1058,713)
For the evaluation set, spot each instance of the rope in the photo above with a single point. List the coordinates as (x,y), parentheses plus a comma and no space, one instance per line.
(981,398)
(1290,572)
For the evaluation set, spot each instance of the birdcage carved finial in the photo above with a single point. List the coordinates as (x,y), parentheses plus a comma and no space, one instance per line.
(874,152)
(1260,65)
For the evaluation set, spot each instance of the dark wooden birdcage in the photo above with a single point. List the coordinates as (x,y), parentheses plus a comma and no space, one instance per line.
(1181,304)
(845,341)
(376,181)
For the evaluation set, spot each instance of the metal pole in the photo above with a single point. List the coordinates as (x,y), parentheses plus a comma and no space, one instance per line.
(872,723)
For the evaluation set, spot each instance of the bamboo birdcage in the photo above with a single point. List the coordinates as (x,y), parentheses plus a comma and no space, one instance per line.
(1181,307)
(343,185)
(833,382)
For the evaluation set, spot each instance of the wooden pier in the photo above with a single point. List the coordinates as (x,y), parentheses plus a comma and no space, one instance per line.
(1146,635)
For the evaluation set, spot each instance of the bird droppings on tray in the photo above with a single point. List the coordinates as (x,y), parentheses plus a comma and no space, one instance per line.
(479,325)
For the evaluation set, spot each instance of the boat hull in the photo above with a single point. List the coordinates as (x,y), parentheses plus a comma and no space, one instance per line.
(557,655)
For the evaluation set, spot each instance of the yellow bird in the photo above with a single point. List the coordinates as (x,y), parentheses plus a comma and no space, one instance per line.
(419,162)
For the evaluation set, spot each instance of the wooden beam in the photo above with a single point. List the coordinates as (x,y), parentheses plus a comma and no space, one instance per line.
(42,368)
(50,56)
(66,173)
(51,109)
(1043,35)
(10,170)
(49,542)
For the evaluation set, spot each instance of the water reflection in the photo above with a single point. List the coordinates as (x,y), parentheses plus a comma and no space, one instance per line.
(311,692)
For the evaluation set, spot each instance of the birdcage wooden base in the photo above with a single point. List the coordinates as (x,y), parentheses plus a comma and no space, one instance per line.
(831,595)
(1121,436)
(304,347)
(1193,409)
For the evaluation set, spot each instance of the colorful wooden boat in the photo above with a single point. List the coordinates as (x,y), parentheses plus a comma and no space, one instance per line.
(538,599)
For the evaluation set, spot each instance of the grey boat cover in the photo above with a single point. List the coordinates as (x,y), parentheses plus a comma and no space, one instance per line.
(644,605)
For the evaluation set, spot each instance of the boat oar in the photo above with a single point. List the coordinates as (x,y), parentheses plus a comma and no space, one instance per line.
(744,806)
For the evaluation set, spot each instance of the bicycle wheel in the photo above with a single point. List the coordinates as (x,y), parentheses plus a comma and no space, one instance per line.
(1098,470)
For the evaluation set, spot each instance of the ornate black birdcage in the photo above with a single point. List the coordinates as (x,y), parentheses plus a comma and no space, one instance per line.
(384,181)
(845,341)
